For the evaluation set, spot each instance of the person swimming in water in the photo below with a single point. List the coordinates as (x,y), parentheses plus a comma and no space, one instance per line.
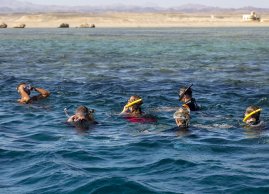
(182,117)
(133,107)
(25,90)
(82,118)
(185,96)
(252,117)
(132,111)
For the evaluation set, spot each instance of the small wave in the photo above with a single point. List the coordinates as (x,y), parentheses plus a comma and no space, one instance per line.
(251,189)
(39,137)
(12,154)
(164,109)
(214,126)
(236,182)
(148,144)
(114,185)
(170,162)
(79,155)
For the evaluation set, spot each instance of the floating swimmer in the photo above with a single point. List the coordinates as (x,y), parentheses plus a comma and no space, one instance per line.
(82,118)
(185,96)
(133,107)
(25,91)
(132,111)
(252,117)
(182,117)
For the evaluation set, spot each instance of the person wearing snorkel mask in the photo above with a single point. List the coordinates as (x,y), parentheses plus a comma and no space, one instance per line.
(182,117)
(132,111)
(185,96)
(252,117)
(133,106)
(82,118)
(25,91)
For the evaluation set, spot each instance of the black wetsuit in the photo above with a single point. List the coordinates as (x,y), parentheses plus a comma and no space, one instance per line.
(192,105)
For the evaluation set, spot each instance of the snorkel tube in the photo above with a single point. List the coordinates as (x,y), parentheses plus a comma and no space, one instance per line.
(66,113)
(184,92)
(250,114)
(133,103)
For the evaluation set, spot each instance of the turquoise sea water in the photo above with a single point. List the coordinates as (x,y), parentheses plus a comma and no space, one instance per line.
(102,68)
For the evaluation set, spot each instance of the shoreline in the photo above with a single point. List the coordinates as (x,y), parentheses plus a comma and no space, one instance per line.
(131,20)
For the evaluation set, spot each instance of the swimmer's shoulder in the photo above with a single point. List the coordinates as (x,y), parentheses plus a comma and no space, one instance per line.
(260,125)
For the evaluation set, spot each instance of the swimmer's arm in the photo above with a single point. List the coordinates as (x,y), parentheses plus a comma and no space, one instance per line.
(124,111)
(25,98)
(71,119)
(42,93)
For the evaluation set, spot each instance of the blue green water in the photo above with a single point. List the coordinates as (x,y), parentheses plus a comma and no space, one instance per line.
(102,68)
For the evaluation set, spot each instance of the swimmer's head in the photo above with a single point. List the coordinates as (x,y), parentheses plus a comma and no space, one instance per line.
(26,88)
(252,115)
(185,91)
(136,106)
(182,117)
(84,112)
(20,84)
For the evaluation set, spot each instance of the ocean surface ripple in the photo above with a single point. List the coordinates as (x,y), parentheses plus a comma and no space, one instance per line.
(102,68)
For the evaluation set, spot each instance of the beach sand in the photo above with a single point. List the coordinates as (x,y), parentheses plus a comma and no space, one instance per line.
(53,20)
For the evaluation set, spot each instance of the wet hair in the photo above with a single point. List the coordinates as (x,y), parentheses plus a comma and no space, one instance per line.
(251,109)
(136,98)
(27,88)
(83,110)
(20,84)
(136,106)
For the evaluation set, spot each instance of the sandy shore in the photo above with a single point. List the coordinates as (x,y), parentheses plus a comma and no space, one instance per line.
(53,20)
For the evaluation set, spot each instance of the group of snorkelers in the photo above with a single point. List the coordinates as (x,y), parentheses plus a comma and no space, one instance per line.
(84,117)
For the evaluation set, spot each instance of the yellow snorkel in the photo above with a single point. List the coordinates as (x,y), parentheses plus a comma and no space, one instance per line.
(133,103)
(250,114)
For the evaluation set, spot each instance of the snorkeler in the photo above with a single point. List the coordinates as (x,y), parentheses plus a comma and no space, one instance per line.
(25,91)
(82,118)
(182,117)
(133,107)
(252,117)
(132,111)
(185,96)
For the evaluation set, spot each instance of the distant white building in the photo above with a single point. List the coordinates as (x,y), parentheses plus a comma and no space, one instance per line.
(251,17)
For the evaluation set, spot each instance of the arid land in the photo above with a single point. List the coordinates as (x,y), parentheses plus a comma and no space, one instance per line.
(120,19)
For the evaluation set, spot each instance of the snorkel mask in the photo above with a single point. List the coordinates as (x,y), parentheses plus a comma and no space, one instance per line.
(182,116)
(27,89)
(90,114)
(85,114)
(91,111)
(250,114)
(182,93)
